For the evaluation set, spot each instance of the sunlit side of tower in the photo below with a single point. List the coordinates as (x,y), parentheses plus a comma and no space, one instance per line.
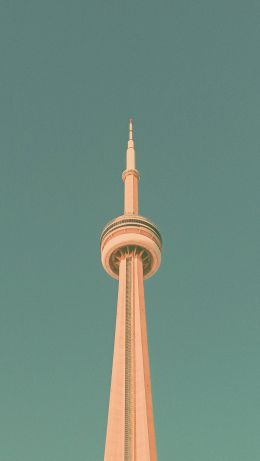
(130,252)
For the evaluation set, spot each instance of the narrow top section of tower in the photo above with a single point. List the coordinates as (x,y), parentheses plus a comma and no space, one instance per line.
(131,128)
(130,153)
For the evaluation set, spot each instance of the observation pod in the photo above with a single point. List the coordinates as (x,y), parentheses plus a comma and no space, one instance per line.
(130,252)
(131,233)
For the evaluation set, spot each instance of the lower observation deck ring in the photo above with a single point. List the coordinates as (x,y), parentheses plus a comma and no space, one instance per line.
(125,235)
(117,255)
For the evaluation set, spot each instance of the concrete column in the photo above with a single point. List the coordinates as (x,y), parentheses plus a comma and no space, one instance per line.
(131,178)
(130,431)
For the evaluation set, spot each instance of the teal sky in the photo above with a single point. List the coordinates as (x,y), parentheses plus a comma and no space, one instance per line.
(72,73)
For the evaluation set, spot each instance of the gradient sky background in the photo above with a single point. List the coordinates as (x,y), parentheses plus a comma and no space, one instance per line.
(72,73)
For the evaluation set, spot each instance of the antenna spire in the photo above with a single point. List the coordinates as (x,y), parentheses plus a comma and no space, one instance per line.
(131,129)
(130,153)
(131,176)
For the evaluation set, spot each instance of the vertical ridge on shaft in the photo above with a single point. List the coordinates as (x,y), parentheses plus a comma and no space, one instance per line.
(128,364)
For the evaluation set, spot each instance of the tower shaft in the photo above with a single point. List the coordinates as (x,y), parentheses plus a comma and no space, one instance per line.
(130,429)
(131,178)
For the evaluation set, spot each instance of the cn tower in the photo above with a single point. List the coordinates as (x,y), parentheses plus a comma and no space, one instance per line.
(130,252)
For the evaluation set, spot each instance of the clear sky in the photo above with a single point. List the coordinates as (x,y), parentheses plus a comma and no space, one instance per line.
(72,73)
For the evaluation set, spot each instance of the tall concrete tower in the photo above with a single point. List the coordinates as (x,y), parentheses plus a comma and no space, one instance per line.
(130,252)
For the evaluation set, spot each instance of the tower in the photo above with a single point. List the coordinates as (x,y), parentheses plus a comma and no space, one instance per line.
(130,252)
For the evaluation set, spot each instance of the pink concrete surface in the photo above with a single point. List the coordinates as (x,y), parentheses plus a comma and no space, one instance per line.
(130,248)
(141,432)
